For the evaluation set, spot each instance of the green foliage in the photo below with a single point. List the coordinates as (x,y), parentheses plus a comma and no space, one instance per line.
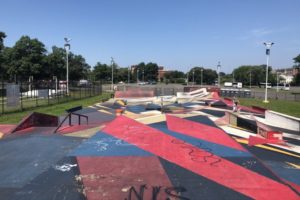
(209,75)
(175,76)
(2,36)
(27,58)
(258,74)
(148,72)
(296,80)
(283,106)
(297,59)
(56,63)
(102,72)
(78,68)
(56,109)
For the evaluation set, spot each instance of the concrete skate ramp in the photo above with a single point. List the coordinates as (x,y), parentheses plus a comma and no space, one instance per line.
(194,94)
(6,129)
(24,157)
(281,120)
(36,119)
(177,152)
(216,103)
(134,93)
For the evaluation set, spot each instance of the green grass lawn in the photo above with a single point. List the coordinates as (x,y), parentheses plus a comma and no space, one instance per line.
(56,109)
(286,107)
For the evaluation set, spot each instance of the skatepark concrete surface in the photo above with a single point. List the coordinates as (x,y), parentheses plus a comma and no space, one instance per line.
(145,147)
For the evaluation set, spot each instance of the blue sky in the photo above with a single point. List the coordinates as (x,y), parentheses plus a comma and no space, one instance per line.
(177,34)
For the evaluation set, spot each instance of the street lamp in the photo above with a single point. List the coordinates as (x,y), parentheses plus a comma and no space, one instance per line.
(137,76)
(143,76)
(128,75)
(112,73)
(277,73)
(250,78)
(201,77)
(55,78)
(193,76)
(268,47)
(219,69)
(187,78)
(67,48)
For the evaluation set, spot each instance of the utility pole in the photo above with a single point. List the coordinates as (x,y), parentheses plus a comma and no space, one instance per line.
(201,77)
(112,73)
(67,48)
(268,47)
(219,69)
(128,75)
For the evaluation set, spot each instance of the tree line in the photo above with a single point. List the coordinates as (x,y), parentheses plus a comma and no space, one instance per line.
(29,57)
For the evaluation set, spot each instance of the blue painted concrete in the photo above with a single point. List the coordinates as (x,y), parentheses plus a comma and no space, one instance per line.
(136,109)
(24,157)
(103,144)
(285,171)
(214,148)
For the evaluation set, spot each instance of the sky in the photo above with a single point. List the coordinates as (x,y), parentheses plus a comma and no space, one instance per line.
(176,34)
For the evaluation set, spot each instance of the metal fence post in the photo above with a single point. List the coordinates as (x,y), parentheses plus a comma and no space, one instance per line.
(21,95)
(2,93)
(48,91)
(36,95)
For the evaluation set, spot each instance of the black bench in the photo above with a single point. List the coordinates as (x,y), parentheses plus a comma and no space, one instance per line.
(72,111)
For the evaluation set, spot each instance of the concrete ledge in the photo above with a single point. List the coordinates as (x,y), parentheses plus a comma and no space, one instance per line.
(283,121)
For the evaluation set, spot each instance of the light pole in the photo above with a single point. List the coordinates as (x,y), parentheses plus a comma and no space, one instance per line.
(268,47)
(67,48)
(55,78)
(219,69)
(277,73)
(143,75)
(128,75)
(193,77)
(137,76)
(201,77)
(112,73)
(187,78)
(250,78)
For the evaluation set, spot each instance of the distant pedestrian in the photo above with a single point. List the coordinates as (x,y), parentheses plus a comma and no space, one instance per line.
(235,104)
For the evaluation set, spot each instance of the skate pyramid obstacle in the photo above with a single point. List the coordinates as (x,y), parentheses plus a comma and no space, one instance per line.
(36,119)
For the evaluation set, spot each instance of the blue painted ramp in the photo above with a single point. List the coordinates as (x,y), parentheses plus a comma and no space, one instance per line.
(103,144)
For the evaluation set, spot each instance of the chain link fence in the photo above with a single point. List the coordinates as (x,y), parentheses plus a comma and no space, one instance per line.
(21,95)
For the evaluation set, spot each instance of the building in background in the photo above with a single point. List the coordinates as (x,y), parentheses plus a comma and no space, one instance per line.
(287,74)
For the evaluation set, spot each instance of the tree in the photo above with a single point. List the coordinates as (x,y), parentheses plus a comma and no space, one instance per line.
(78,68)
(122,74)
(56,63)
(209,75)
(297,60)
(27,57)
(175,76)
(2,36)
(296,79)
(151,72)
(258,74)
(102,72)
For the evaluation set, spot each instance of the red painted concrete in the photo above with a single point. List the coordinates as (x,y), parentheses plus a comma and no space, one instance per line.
(6,128)
(199,161)
(294,185)
(260,140)
(136,93)
(111,177)
(215,95)
(201,131)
